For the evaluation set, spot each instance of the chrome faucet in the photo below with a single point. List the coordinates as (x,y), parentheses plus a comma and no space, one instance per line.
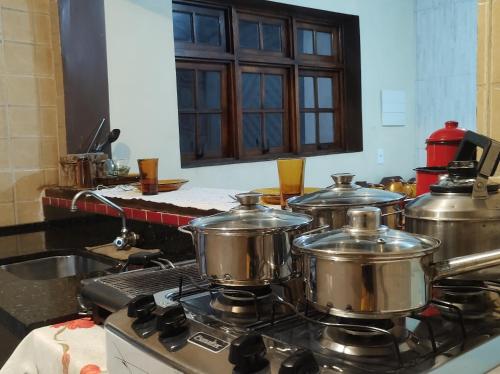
(127,238)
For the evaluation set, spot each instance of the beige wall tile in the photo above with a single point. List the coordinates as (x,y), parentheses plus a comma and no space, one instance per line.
(19,58)
(7,214)
(41,24)
(494,128)
(6,190)
(49,153)
(51,177)
(43,60)
(39,6)
(30,243)
(46,91)
(3,123)
(17,25)
(482,42)
(48,121)
(15,4)
(8,244)
(27,154)
(3,92)
(4,154)
(495,41)
(24,122)
(21,90)
(482,109)
(28,185)
(28,212)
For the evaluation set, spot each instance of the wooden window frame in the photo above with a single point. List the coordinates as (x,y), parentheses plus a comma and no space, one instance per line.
(345,65)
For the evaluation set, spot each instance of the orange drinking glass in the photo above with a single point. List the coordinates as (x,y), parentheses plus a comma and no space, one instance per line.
(148,170)
(291,175)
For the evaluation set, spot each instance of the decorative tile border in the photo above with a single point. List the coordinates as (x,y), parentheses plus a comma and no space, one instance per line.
(131,213)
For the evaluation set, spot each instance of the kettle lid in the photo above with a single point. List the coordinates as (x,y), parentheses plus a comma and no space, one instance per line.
(460,179)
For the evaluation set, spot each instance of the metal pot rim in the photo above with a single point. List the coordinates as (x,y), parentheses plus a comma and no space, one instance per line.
(327,206)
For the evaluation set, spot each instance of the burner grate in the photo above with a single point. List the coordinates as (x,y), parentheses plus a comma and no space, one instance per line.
(149,281)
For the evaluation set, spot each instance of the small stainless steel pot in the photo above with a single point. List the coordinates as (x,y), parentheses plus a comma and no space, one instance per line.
(247,246)
(369,271)
(329,206)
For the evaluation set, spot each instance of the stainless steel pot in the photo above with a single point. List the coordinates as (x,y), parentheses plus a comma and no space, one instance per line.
(247,246)
(463,209)
(329,206)
(369,271)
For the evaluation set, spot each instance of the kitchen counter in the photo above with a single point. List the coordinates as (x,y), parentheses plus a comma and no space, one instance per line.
(173,208)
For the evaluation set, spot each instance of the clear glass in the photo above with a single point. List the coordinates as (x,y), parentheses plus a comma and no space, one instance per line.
(291,176)
(148,170)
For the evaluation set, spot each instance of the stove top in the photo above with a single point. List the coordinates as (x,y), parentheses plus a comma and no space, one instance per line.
(219,330)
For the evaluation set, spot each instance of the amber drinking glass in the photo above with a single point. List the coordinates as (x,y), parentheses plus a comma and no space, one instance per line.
(148,170)
(291,175)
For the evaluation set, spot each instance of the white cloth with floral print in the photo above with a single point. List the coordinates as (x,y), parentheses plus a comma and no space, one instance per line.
(74,347)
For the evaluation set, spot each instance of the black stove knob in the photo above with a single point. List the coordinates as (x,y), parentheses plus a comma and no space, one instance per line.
(301,362)
(141,306)
(171,320)
(247,353)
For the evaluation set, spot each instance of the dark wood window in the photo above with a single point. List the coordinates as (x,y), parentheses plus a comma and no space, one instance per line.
(258,80)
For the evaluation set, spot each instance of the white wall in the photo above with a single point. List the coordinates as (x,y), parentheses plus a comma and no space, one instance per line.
(143,104)
(446,66)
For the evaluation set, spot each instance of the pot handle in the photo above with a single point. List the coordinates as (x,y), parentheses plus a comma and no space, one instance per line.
(465,264)
(487,164)
(317,229)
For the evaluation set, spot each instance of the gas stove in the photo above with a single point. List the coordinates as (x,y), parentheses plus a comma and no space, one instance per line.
(196,328)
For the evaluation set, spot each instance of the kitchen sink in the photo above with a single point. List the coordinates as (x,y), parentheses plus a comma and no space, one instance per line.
(56,267)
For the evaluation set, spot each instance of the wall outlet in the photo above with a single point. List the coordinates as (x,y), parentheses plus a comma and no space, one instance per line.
(380,156)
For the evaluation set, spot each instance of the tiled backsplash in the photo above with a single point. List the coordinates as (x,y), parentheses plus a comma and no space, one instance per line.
(488,69)
(32,125)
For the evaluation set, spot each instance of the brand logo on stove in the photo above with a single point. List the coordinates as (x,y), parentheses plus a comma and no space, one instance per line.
(208,342)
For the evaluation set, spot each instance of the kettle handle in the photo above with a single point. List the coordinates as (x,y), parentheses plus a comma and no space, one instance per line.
(487,164)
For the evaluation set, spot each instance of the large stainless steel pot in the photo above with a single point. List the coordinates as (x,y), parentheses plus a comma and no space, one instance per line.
(248,246)
(366,270)
(329,206)
(463,209)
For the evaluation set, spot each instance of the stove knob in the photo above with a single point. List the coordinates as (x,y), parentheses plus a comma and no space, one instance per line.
(171,321)
(301,362)
(141,306)
(247,353)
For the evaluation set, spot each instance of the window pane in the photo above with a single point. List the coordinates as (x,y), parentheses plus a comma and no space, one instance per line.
(251,91)
(207,29)
(209,90)
(325,99)
(252,136)
(305,41)
(324,43)
(185,92)
(306,92)
(273,91)
(187,133)
(326,127)
(249,35)
(210,133)
(308,128)
(183,27)
(274,129)
(271,37)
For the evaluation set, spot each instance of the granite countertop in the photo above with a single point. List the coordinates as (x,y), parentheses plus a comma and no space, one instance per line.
(26,304)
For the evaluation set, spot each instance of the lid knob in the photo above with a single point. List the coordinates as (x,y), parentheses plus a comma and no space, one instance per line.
(451,124)
(342,178)
(248,198)
(364,218)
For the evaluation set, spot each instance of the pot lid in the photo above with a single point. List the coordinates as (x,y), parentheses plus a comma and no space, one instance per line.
(449,133)
(345,193)
(365,237)
(460,179)
(250,216)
